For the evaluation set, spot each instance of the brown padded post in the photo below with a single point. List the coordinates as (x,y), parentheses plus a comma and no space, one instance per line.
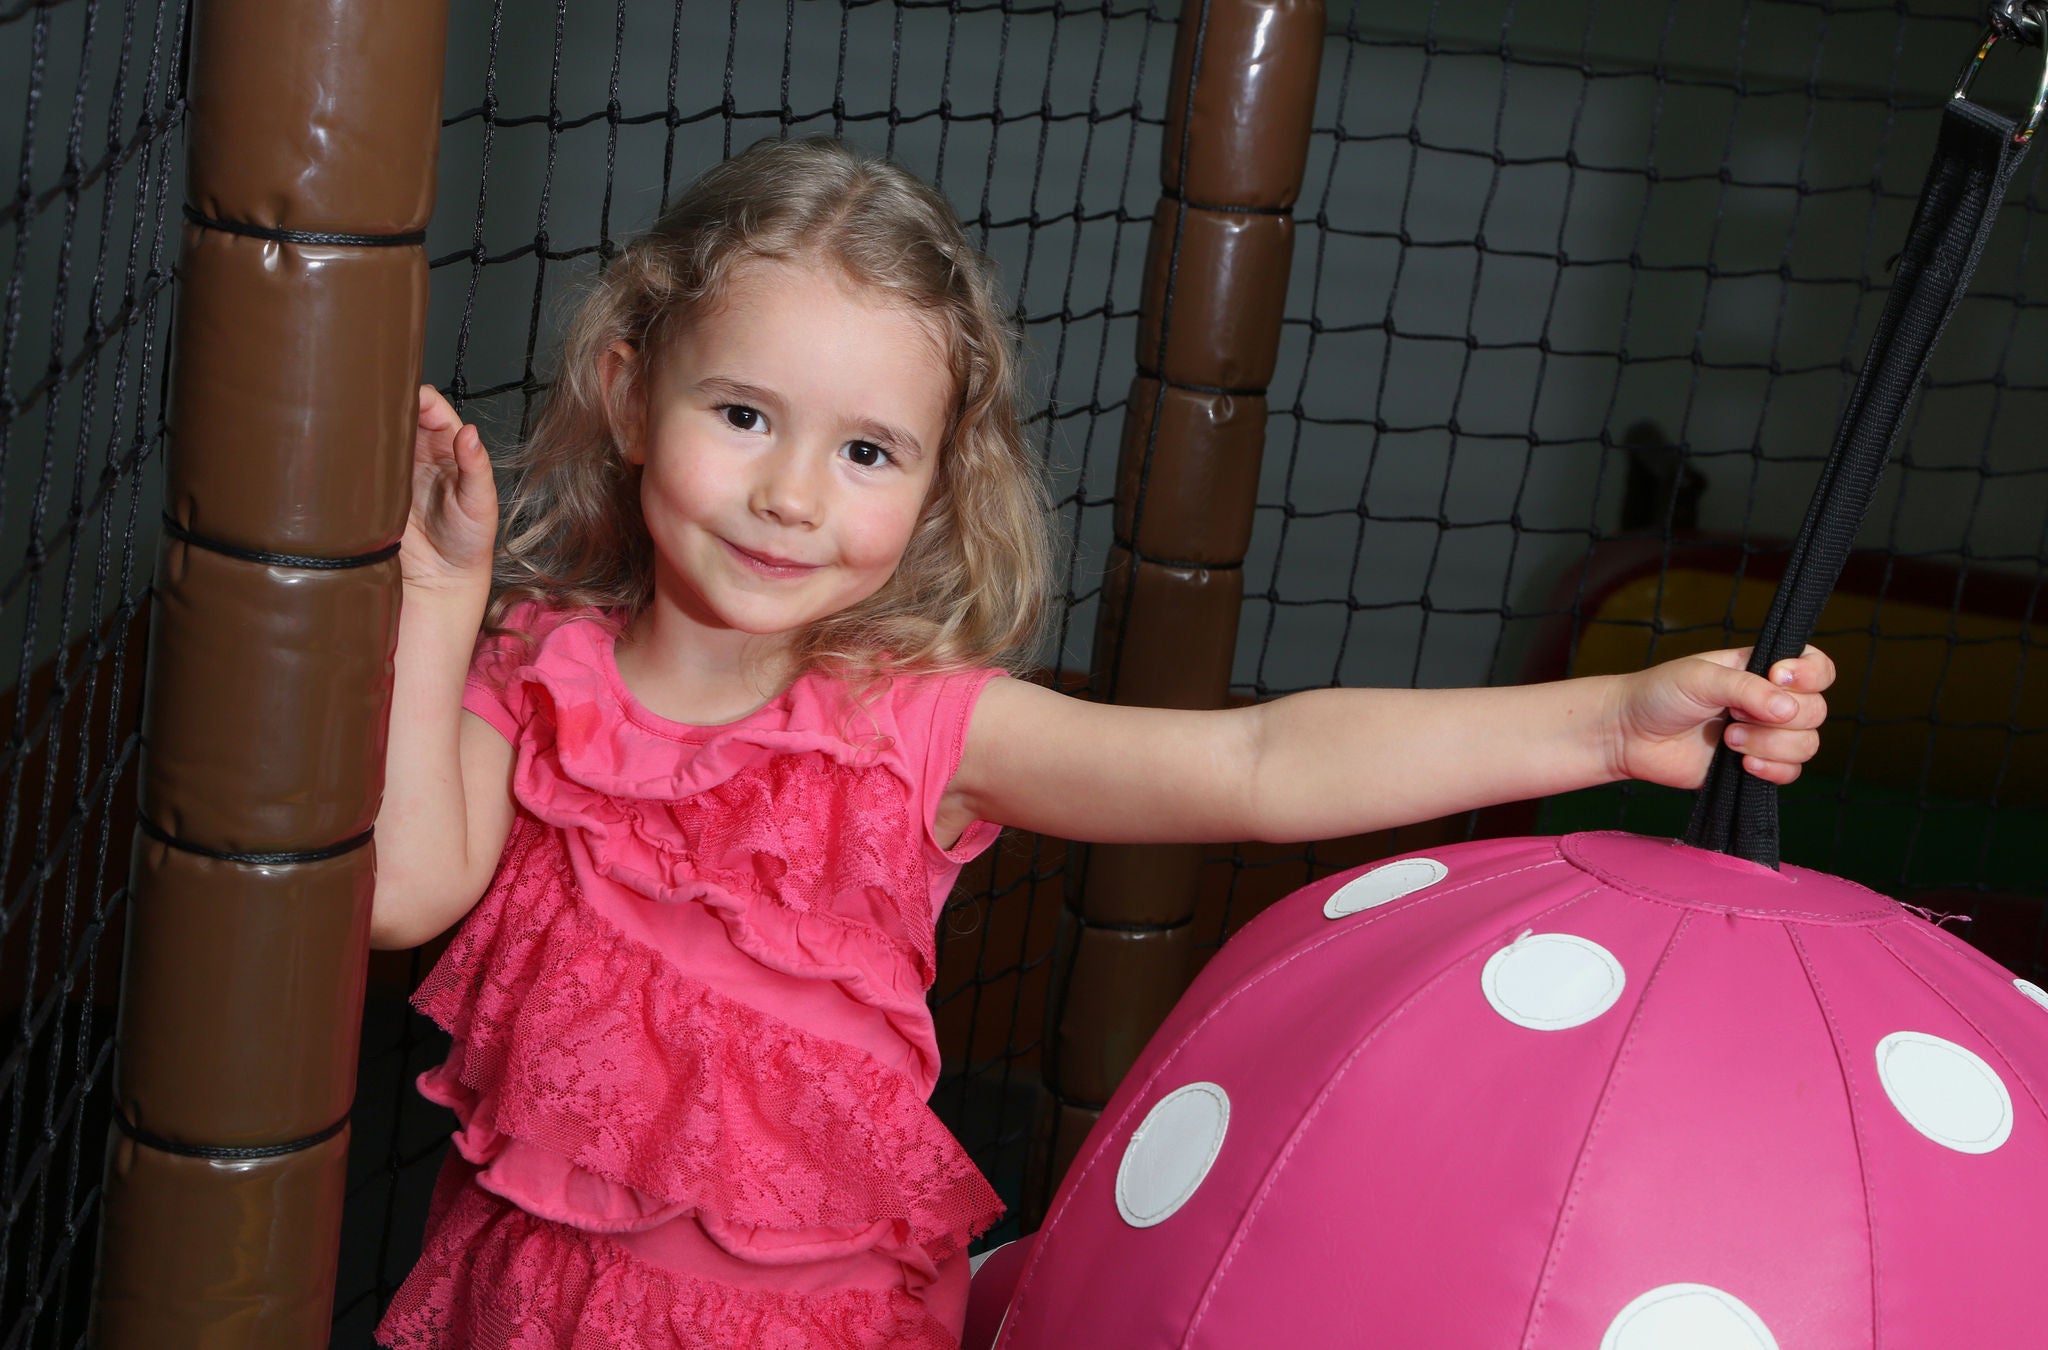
(1206,450)
(322,116)
(313,659)
(1226,330)
(277,1292)
(1241,100)
(302,293)
(233,1067)
(318,318)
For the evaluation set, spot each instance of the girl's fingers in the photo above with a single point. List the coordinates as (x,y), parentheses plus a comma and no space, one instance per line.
(444,439)
(1808,711)
(1748,697)
(1783,745)
(1770,770)
(1810,672)
(1752,698)
(436,413)
(476,485)
(1729,658)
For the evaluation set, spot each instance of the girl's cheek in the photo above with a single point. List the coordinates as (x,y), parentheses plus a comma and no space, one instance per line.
(884,540)
(872,551)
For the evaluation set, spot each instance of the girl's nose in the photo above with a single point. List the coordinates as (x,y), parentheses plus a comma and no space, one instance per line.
(787,491)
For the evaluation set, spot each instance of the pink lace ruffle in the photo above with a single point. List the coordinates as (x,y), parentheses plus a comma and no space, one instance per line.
(577,1040)
(816,837)
(806,847)
(495,1278)
(824,910)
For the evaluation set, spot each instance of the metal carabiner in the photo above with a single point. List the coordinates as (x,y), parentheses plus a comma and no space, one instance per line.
(2010,21)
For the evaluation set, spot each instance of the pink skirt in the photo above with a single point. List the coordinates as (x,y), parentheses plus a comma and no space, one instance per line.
(494,1277)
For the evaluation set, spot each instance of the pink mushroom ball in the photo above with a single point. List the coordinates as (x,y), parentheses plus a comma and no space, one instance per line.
(1599,1091)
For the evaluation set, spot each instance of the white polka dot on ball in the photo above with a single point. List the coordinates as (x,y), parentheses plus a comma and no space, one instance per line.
(1687,1317)
(1383,885)
(1552,981)
(2032,991)
(1171,1152)
(1944,1091)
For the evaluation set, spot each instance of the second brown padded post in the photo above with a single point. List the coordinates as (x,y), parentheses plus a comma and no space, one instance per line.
(1236,144)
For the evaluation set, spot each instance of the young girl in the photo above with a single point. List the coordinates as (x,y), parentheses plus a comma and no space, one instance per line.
(733,730)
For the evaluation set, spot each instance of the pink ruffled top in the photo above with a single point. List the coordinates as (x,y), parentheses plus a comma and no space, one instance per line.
(689,1015)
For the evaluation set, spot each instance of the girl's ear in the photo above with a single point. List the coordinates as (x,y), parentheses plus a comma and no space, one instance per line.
(619,379)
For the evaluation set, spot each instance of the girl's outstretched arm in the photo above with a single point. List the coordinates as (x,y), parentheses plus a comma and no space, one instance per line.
(1332,762)
(447,806)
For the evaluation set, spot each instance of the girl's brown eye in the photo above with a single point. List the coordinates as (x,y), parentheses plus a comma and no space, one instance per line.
(866,454)
(741,417)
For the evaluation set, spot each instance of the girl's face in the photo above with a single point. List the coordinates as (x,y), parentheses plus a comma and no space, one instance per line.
(788,440)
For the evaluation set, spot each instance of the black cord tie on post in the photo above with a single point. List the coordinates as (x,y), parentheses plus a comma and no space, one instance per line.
(1974,159)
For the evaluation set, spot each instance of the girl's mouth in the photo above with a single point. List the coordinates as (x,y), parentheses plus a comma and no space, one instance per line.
(767,564)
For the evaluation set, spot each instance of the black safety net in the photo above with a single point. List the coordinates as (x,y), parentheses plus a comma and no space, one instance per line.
(92,111)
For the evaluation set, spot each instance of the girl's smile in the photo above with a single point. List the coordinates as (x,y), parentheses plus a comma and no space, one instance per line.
(787,441)
(771,566)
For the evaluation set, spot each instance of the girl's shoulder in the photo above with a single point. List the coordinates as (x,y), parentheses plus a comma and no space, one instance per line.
(528,630)
(917,719)
(561,647)
(922,694)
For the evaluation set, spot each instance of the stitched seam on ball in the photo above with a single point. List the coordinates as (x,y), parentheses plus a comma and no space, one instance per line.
(1569,1210)
(1827,1013)
(1363,925)
(1889,909)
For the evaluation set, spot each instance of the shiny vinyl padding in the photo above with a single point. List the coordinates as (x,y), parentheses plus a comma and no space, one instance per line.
(1206,451)
(292,393)
(313,136)
(167,1278)
(246,965)
(321,116)
(268,693)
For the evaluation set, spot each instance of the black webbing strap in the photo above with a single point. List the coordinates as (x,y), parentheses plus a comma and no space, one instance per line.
(1974,159)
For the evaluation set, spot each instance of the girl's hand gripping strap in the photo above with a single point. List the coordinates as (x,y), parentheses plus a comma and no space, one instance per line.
(1974,159)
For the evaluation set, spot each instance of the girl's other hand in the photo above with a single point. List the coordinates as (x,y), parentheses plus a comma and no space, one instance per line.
(1670,717)
(452,529)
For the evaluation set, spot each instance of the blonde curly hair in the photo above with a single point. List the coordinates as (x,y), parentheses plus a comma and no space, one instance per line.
(971,587)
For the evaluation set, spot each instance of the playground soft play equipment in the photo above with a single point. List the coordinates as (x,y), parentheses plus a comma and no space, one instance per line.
(1602,1090)
(1594,1091)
